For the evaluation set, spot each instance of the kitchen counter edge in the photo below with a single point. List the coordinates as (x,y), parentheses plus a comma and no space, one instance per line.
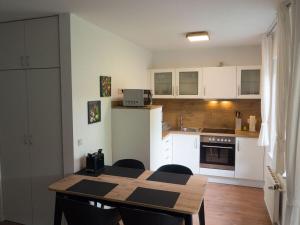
(246,134)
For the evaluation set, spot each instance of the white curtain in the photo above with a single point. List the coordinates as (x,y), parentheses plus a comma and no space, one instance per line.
(267,46)
(282,83)
(293,125)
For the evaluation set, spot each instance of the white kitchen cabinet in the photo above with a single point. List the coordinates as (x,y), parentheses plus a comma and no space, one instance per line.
(163,155)
(44,113)
(163,83)
(42,42)
(12,49)
(219,82)
(167,150)
(14,150)
(29,44)
(189,83)
(30,143)
(248,82)
(186,151)
(249,159)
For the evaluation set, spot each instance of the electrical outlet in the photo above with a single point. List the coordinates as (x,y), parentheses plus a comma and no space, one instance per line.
(80,142)
(120,92)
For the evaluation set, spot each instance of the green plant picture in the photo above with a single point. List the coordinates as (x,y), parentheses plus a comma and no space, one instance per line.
(105,86)
(94,112)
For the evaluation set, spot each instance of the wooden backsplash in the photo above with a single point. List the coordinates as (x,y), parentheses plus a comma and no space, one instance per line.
(212,114)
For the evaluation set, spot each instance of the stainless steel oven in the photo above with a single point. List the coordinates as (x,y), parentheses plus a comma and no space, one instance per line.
(217,152)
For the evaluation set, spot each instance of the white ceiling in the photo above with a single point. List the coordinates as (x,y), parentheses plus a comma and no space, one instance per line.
(161,24)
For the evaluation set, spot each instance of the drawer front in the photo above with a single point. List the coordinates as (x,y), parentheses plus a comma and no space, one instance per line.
(167,158)
(167,142)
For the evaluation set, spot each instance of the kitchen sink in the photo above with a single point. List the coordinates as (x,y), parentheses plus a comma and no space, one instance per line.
(190,129)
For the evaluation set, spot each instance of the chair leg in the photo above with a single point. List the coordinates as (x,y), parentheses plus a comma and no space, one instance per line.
(188,220)
(202,214)
(58,211)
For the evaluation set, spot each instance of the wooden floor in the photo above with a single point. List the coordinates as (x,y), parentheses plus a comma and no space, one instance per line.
(230,205)
(234,205)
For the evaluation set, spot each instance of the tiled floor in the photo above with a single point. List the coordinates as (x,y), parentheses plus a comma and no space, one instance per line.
(230,205)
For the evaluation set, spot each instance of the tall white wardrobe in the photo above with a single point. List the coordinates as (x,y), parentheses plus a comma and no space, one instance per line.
(30,119)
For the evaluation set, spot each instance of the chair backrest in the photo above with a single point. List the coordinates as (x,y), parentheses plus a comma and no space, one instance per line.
(130,163)
(80,213)
(131,216)
(173,168)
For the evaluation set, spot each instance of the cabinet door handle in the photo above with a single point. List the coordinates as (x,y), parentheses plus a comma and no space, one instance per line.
(27,60)
(204,91)
(177,90)
(25,139)
(173,91)
(239,90)
(238,146)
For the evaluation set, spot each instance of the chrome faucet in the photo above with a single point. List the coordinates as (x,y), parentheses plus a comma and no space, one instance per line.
(181,122)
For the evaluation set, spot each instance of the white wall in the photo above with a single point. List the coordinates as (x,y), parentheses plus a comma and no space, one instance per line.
(230,56)
(96,52)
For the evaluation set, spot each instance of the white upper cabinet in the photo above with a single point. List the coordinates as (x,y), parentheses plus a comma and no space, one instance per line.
(163,83)
(12,45)
(249,159)
(228,82)
(248,81)
(189,83)
(219,82)
(29,44)
(42,42)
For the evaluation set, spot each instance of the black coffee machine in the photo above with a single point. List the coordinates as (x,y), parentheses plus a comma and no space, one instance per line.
(94,161)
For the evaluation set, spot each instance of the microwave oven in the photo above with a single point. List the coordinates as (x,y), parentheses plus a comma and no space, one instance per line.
(137,97)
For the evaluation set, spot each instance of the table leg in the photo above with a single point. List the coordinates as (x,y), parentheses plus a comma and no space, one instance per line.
(188,220)
(202,214)
(58,211)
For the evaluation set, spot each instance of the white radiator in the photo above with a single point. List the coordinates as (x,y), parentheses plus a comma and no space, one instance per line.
(272,191)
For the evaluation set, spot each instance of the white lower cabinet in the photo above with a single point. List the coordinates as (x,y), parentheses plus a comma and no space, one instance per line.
(167,152)
(163,155)
(186,151)
(249,159)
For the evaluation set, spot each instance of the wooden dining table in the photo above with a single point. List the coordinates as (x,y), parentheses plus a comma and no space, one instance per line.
(174,194)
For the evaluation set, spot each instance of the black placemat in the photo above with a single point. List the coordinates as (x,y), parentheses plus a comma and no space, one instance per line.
(91,187)
(113,171)
(122,171)
(154,197)
(173,178)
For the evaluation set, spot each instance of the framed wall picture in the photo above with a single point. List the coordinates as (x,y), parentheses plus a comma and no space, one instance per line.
(94,112)
(105,86)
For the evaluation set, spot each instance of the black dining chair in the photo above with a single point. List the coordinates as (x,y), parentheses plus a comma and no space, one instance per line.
(174,168)
(130,163)
(132,216)
(79,213)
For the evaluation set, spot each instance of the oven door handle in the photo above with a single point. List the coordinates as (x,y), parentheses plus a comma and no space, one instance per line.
(214,146)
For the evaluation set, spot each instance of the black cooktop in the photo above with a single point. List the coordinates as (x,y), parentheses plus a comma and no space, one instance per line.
(216,130)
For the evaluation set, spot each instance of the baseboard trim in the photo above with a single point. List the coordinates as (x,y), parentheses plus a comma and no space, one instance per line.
(235,181)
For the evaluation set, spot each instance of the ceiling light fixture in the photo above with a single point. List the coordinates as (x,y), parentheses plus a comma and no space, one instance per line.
(198,36)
